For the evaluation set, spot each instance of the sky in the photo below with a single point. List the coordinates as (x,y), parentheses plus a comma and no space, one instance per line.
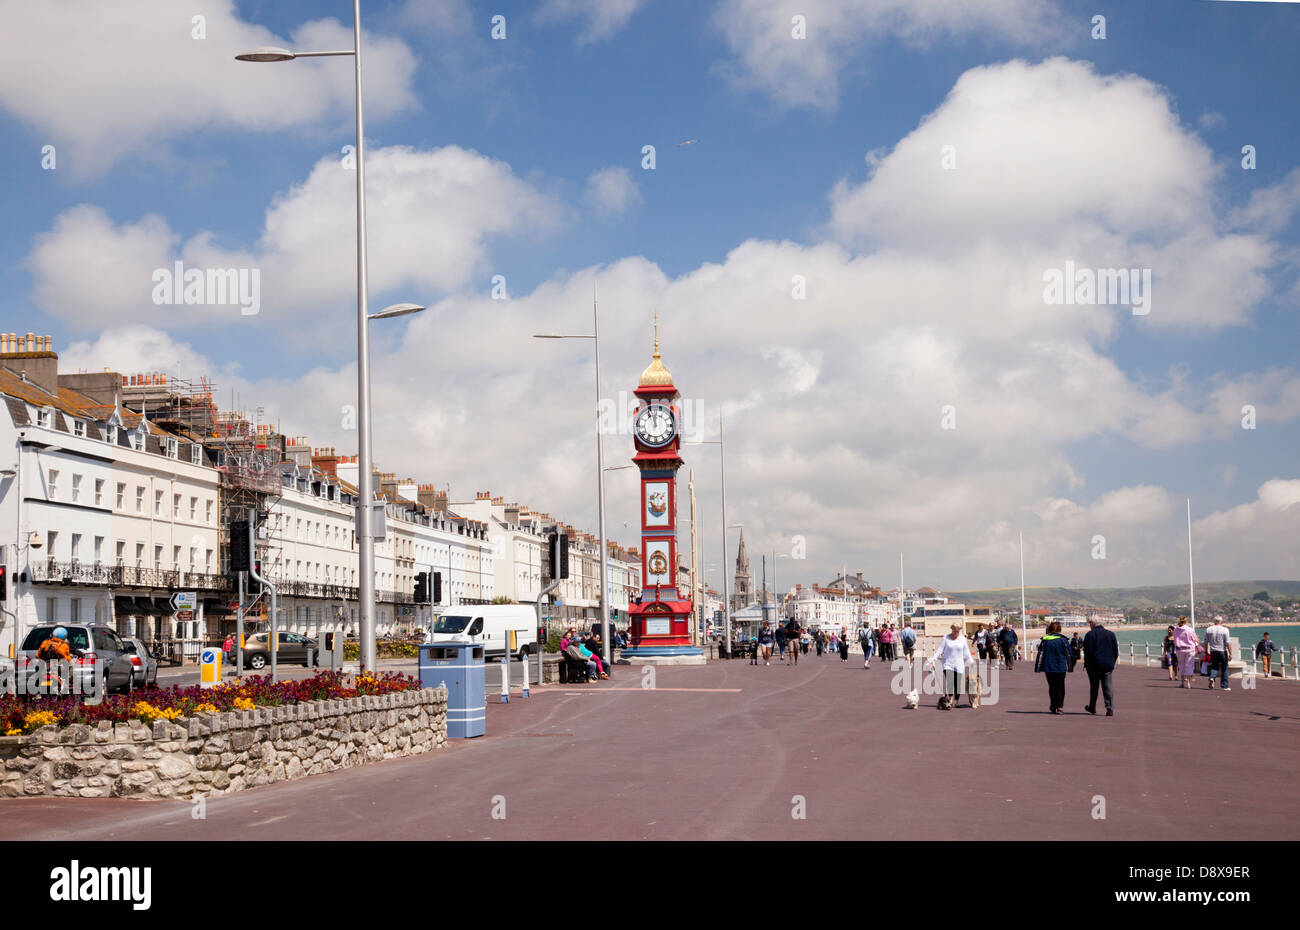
(850,260)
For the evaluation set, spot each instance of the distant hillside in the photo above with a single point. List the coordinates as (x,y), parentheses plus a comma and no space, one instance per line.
(1121,598)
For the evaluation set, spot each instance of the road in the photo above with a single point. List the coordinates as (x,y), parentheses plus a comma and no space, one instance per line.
(824,750)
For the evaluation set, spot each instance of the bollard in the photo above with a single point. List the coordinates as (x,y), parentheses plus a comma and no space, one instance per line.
(505,677)
(523,668)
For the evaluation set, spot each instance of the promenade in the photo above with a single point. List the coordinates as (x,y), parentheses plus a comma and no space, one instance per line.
(731,751)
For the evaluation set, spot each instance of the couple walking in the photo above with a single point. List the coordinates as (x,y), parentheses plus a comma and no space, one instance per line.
(1057,657)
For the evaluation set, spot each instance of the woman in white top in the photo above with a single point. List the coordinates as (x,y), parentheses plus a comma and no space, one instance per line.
(954,654)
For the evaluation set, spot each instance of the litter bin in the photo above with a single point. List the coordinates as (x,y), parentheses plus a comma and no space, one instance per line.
(459,667)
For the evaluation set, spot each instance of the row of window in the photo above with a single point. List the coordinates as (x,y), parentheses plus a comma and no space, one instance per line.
(108,433)
(200,559)
(96,497)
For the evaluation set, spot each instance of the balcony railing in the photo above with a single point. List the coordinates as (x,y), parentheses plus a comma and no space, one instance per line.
(52,571)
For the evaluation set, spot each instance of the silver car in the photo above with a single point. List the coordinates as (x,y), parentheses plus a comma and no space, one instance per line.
(146,665)
(97,651)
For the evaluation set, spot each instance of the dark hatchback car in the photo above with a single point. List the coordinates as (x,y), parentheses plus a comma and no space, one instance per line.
(95,649)
(292,648)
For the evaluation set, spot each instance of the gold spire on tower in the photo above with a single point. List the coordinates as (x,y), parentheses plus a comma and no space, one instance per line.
(656,375)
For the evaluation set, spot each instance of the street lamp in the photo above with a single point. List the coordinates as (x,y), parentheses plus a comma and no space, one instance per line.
(722,454)
(395,310)
(594,336)
(365,482)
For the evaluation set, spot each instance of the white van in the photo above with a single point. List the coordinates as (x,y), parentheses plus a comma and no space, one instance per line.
(487,624)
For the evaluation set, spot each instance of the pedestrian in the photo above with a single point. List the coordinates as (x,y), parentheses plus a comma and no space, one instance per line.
(765,639)
(804,639)
(864,637)
(954,658)
(1076,646)
(1264,650)
(1168,658)
(886,638)
(844,644)
(908,638)
(752,643)
(981,642)
(1055,660)
(792,638)
(819,639)
(1218,644)
(1185,650)
(1100,653)
(229,644)
(780,635)
(1007,640)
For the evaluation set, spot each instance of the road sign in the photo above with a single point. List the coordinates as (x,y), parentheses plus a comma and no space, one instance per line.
(184,616)
(185,600)
(210,667)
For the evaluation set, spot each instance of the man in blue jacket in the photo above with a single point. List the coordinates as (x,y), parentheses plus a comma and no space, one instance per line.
(1100,653)
(1008,639)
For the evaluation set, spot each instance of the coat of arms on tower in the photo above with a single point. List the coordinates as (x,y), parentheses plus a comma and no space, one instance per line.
(658,563)
(657,503)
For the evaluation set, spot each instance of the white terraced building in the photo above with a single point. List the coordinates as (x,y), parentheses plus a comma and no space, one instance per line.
(104,514)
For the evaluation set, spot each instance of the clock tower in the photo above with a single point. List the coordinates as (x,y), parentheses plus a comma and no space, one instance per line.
(661,618)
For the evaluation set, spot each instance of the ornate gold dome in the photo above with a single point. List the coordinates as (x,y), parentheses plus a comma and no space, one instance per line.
(656,375)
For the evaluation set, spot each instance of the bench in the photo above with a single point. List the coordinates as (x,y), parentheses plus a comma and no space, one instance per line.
(572,671)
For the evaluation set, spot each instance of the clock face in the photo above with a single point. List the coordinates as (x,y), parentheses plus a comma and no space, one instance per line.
(656,425)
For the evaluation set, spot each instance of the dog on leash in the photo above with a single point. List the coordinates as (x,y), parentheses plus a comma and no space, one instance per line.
(913,698)
(973,689)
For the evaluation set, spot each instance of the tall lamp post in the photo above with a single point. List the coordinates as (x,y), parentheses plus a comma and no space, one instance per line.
(365,483)
(606,633)
(594,336)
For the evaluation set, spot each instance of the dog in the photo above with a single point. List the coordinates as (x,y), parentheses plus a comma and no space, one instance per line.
(913,699)
(945,703)
(973,689)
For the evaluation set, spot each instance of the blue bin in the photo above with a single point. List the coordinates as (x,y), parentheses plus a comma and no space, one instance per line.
(458,666)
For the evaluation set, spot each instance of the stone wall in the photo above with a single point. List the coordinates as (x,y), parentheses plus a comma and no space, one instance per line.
(221,753)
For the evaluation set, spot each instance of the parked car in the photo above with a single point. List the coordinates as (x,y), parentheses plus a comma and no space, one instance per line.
(96,649)
(291,648)
(146,665)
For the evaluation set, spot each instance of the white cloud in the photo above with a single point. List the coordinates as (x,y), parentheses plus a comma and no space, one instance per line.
(807,72)
(600,19)
(611,191)
(431,216)
(86,76)
(1039,181)
(1256,539)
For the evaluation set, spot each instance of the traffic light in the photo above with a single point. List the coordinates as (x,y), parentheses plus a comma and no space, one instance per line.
(437,588)
(239,545)
(422,588)
(4,583)
(559,553)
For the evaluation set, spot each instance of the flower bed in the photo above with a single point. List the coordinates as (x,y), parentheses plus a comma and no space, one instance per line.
(20,717)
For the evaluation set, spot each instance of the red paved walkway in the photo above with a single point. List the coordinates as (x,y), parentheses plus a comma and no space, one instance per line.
(595,762)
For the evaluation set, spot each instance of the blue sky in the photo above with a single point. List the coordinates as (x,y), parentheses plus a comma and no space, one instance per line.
(578,87)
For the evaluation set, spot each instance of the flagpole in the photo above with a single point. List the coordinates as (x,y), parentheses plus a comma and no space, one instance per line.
(1191,580)
(1024,622)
